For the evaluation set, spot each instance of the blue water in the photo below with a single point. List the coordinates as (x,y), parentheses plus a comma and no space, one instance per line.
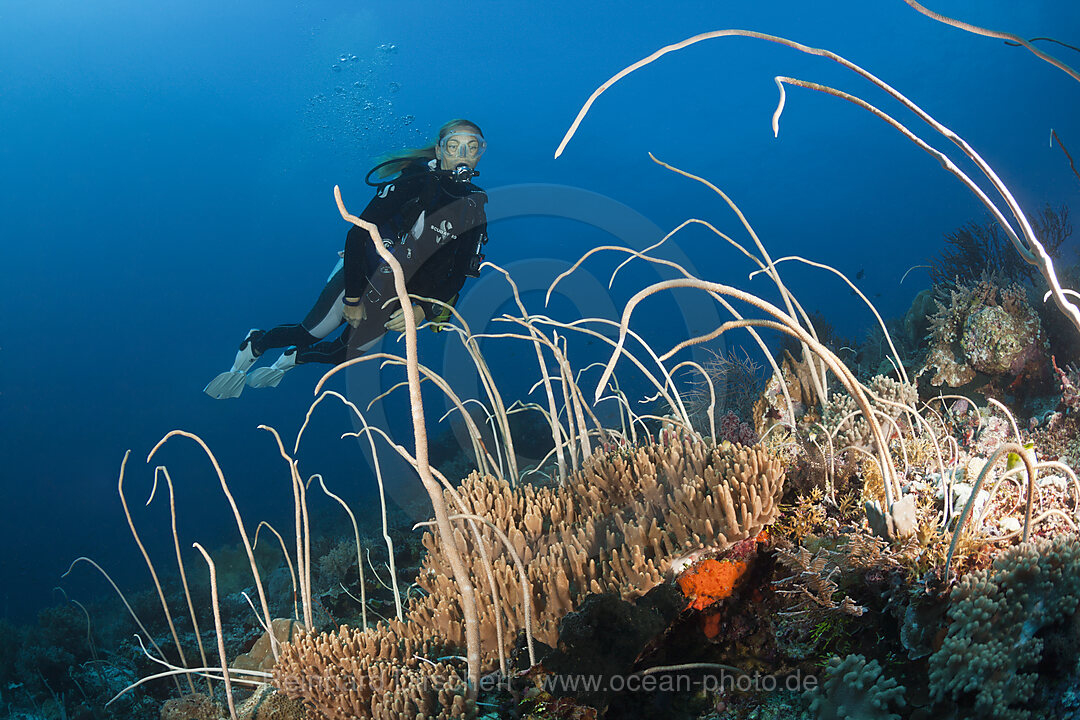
(166,185)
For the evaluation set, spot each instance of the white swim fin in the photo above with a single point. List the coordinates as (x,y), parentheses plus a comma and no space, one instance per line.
(230,384)
(270,376)
(226,385)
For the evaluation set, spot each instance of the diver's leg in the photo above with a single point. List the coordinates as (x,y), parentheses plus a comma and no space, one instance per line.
(328,352)
(350,343)
(281,336)
(327,314)
(323,318)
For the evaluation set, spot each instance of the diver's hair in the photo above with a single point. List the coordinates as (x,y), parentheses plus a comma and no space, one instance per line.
(398,161)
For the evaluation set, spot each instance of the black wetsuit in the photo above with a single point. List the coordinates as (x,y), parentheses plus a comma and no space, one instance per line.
(434,225)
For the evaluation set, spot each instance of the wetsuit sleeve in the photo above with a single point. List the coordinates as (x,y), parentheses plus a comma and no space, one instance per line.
(386,203)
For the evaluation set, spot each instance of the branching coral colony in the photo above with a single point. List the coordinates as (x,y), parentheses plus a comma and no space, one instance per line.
(869,537)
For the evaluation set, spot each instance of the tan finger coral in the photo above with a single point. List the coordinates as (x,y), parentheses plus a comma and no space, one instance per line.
(354,674)
(618,525)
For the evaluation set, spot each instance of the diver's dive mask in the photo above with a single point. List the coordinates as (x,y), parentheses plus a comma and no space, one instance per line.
(462,146)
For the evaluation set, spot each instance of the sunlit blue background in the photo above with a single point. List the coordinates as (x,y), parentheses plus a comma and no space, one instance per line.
(166,173)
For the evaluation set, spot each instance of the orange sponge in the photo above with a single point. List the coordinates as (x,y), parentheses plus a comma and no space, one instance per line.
(710,580)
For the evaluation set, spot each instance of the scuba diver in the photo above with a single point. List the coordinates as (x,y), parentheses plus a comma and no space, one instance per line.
(430,215)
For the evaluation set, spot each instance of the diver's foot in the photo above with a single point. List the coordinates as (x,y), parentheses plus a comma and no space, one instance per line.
(246,355)
(230,384)
(270,376)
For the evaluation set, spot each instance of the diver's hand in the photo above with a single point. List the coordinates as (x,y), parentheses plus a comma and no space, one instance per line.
(396,322)
(355,314)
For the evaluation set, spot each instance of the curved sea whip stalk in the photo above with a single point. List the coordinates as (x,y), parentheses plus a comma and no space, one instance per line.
(150,565)
(356,535)
(468,340)
(686,273)
(123,599)
(303,535)
(288,562)
(994,34)
(553,415)
(446,532)
(236,514)
(1025,456)
(783,323)
(179,559)
(1028,245)
(220,632)
(443,385)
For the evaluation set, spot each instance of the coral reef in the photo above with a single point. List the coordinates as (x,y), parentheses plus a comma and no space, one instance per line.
(353,674)
(985,327)
(990,658)
(666,559)
(855,689)
(1070,386)
(843,420)
(627,518)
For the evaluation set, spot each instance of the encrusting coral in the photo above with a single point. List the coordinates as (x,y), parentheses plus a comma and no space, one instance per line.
(264,704)
(855,689)
(193,706)
(984,328)
(260,656)
(990,657)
